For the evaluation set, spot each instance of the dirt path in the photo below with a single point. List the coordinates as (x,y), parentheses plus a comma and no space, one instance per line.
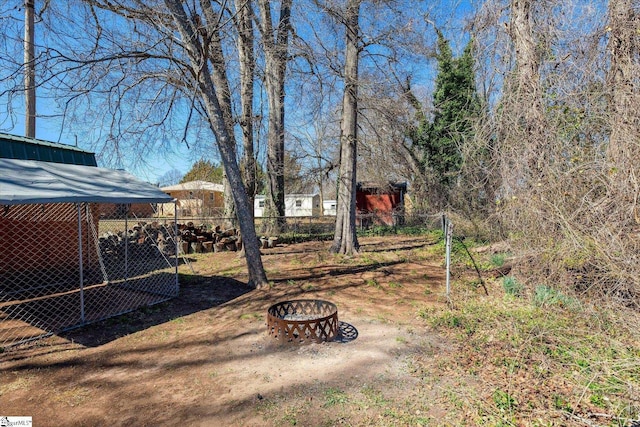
(206,359)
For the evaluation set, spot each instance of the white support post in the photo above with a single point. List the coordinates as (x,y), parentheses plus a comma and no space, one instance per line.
(175,240)
(79,209)
(126,246)
(449,234)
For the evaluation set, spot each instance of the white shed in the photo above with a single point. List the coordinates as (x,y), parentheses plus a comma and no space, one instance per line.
(302,205)
(330,207)
(295,205)
(258,206)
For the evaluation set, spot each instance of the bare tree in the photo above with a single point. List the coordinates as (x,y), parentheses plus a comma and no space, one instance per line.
(559,132)
(244,23)
(345,240)
(526,117)
(316,149)
(223,91)
(30,72)
(275,40)
(145,72)
(199,58)
(171,177)
(622,79)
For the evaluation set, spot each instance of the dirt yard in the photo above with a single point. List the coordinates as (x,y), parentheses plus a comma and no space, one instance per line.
(205,358)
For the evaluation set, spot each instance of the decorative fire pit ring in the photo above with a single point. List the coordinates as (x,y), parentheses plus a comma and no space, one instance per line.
(303,321)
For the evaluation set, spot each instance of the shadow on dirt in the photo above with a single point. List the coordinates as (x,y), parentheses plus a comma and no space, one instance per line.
(398,246)
(346,332)
(334,270)
(196,294)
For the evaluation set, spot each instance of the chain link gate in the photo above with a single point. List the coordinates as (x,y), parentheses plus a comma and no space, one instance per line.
(64,265)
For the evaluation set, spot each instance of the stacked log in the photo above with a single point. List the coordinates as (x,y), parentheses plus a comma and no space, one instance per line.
(201,239)
(143,239)
(155,239)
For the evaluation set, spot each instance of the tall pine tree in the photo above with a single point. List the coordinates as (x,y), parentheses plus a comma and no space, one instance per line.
(434,142)
(456,107)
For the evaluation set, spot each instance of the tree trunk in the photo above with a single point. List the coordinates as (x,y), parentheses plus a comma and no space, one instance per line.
(623,151)
(345,240)
(623,70)
(223,92)
(229,205)
(526,95)
(226,143)
(244,23)
(276,58)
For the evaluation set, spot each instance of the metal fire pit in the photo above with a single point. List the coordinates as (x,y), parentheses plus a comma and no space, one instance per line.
(303,321)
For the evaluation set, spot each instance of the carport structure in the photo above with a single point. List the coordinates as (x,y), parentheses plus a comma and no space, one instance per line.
(61,265)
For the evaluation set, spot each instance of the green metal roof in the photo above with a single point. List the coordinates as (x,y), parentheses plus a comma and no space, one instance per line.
(22,148)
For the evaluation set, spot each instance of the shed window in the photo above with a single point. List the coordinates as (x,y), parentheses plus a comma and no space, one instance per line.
(298,203)
(261,204)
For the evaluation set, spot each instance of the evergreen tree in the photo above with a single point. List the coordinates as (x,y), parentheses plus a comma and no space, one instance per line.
(456,107)
(434,142)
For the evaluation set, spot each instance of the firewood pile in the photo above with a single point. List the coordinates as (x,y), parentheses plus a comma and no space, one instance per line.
(198,239)
(144,239)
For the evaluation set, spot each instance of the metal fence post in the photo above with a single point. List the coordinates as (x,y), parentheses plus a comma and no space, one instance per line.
(81,271)
(449,228)
(126,246)
(176,245)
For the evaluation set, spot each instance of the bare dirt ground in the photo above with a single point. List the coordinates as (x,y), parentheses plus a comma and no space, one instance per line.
(205,358)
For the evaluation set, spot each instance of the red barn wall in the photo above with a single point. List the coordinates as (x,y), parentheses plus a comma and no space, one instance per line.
(116,211)
(43,238)
(380,205)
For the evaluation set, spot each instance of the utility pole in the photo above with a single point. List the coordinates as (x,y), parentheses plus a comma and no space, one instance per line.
(29,70)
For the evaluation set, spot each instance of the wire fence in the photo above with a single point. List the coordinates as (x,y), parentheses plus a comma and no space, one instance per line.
(64,265)
(321,226)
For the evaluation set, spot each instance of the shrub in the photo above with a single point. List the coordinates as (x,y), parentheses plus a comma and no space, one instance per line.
(545,296)
(511,286)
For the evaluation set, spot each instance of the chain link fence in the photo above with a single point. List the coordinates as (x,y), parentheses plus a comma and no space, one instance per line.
(65,265)
(204,233)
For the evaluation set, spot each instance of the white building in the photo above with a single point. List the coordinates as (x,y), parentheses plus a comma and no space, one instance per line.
(330,207)
(258,206)
(294,205)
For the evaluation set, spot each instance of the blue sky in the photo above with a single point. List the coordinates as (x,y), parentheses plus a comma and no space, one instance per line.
(49,129)
(49,126)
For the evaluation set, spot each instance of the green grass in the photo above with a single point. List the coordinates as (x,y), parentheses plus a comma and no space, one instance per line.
(511,286)
(535,357)
(497,260)
(334,396)
(387,230)
(544,352)
(504,401)
(373,283)
(251,316)
(374,397)
(545,296)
